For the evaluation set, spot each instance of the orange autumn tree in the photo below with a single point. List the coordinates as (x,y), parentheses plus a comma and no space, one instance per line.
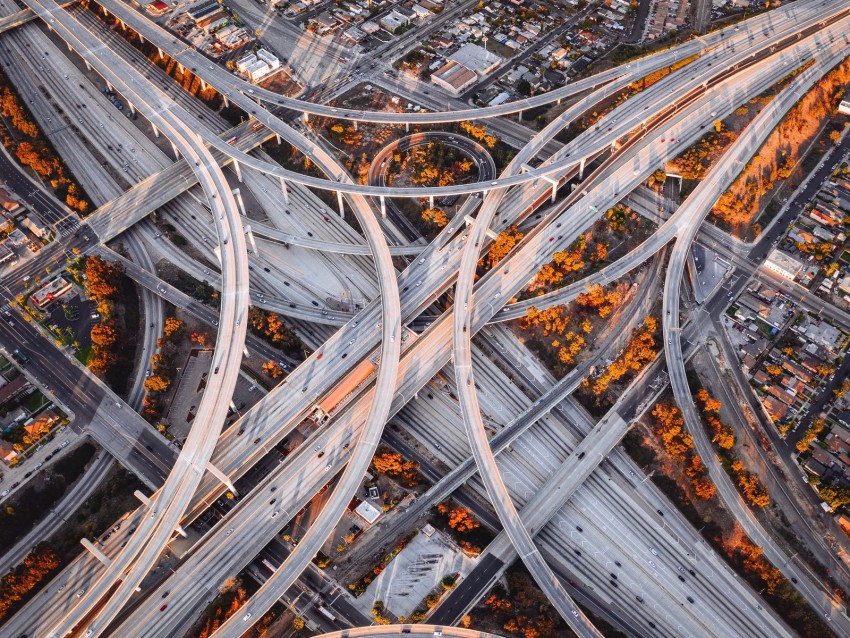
(459,518)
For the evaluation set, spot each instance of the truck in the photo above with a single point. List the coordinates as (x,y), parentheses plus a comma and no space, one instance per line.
(20,356)
(332,400)
(325,612)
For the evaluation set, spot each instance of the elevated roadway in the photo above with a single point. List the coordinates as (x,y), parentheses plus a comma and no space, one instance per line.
(144,548)
(513,273)
(699,205)
(219,78)
(386,377)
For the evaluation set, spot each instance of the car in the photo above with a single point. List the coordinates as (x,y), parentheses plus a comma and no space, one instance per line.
(39,465)
(252,388)
(28,474)
(274,489)
(15,484)
(148,373)
(81,592)
(652,551)
(328,467)
(275,513)
(578,527)
(246,616)
(690,600)
(4,493)
(273,501)
(48,457)
(164,607)
(574,612)
(257,440)
(229,532)
(165,594)
(214,322)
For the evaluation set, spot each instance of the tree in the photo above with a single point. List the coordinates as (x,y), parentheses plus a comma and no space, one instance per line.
(103,335)
(157,383)
(435,216)
(172,326)
(459,518)
(298,623)
(704,489)
(835,496)
(101,278)
(387,462)
(199,338)
(503,244)
(272,369)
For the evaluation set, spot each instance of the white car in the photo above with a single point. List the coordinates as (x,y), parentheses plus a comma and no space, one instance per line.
(246,616)
(4,493)
(229,532)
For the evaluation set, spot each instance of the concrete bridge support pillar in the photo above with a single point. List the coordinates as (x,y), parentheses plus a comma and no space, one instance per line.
(238,195)
(341,204)
(226,101)
(155,130)
(203,85)
(182,68)
(238,170)
(132,108)
(284,191)
(95,551)
(277,137)
(519,116)
(581,169)
(430,201)
(355,125)
(306,118)
(250,235)
(383,206)
(221,476)
(161,54)
(123,25)
(407,127)
(109,85)
(176,152)
(551,180)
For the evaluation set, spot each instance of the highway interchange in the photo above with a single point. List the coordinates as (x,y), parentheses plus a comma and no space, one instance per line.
(381,323)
